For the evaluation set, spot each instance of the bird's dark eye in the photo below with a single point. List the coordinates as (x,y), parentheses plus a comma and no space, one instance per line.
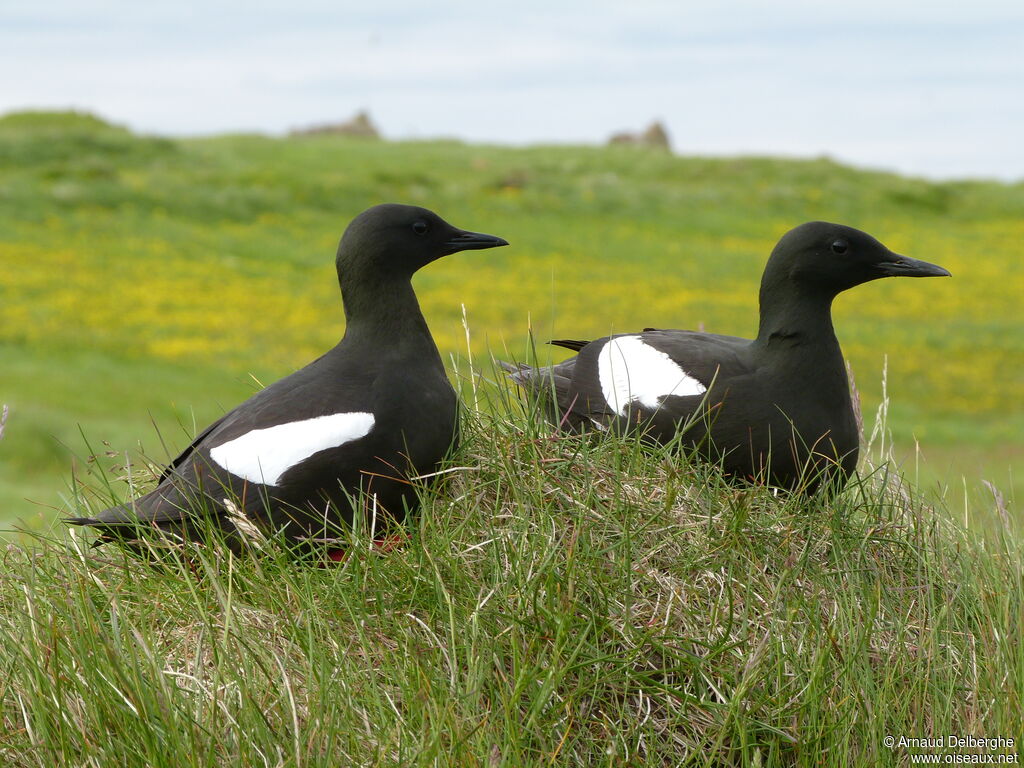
(839,246)
(420,227)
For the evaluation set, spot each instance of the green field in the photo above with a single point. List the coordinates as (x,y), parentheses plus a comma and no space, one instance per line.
(149,283)
(560,600)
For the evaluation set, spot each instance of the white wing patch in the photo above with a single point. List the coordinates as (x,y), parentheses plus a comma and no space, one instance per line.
(633,372)
(264,455)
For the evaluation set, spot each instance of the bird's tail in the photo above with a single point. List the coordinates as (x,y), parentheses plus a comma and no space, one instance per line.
(123,514)
(549,388)
(132,526)
(520,373)
(122,524)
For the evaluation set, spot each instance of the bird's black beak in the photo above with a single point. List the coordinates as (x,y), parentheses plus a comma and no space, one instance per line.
(904,266)
(472,241)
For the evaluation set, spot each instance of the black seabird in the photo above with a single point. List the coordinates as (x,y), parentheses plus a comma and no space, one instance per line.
(776,408)
(374,411)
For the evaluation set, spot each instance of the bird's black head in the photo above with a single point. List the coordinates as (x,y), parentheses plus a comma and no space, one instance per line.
(819,257)
(393,241)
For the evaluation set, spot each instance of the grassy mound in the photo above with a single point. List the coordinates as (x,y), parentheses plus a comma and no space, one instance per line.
(561,601)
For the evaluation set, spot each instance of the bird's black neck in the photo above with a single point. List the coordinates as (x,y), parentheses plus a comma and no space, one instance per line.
(806,378)
(386,318)
(797,343)
(796,318)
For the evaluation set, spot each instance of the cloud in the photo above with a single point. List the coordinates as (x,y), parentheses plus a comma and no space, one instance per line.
(876,83)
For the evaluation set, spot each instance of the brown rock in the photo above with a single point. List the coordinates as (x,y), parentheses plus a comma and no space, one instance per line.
(654,136)
(360,125)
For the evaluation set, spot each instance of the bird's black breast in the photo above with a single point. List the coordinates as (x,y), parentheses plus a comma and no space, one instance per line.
(419,412)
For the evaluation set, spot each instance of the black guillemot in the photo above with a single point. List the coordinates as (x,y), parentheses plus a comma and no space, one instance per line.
(347,432)
(776,408)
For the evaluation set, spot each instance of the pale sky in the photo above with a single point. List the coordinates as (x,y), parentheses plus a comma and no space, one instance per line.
(933,89)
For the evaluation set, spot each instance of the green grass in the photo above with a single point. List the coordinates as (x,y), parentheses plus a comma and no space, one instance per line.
(561,601)
(144,279)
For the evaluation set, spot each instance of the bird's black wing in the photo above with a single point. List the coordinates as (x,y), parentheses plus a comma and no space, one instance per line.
(708,357)
(194,480)
(182,457)
(711,360)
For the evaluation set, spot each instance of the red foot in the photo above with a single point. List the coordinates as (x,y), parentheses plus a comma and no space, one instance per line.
(391,542)
(383,545)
